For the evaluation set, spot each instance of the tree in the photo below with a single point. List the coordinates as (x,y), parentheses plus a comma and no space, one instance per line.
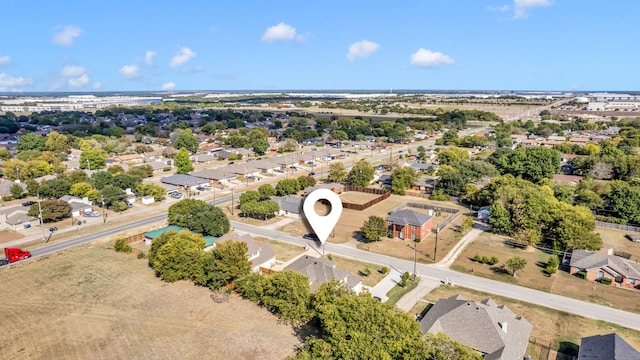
(453,156)
(182,162)
(374,228)
(339,135)
(402,179)
(5,154)
(249,195)
(533,163)
(54,188)
(199,217)
(266,190)
(57,143)
(226,263)
(101,179)
(516,264)
(467,223)
(500,218)
(180,257)
(306,181)
(552,265)
(289,297)
(337,172)
(439,346)
(16,191)
(30,142)
(80,189)
(92,159)
(260,209)
(422,153)
(260,146)
(187,141)
(112,194)
(52,210)
(287,187)
(15,169)
(449,137)
(361,173)
(154,190)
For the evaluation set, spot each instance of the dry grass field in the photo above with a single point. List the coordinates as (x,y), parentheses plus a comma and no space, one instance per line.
(356,197)
(533,275)
(92,303)
(614,239)
(8,235)
(561,329)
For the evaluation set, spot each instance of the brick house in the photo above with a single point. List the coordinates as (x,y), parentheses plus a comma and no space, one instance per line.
(409,224)
(623,273)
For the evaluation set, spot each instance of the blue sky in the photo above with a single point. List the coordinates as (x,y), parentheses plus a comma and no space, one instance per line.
(135,45)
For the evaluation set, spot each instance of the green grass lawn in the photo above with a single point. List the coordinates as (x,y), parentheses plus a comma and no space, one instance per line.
(398,291)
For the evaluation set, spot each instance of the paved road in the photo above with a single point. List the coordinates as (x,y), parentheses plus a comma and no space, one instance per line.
(430,272)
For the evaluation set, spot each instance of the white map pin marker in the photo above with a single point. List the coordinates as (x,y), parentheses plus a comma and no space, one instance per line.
(322,225)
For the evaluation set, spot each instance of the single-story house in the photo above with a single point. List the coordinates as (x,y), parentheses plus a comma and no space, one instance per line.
(423,184)
(609,346)
(156,166)
(6,185)
(423,167)
(78,206)
(321,270)
(150,235)
(597,265)
(409,224)
(219,175)
(289,205)
(19,217)
(261,256)
(492,330)
(147,200)
(204,158)
(184,180)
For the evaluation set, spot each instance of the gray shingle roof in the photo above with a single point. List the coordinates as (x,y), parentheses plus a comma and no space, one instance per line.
(5,187)
(610,347)
(214,174)
(320,270)
(584,259)
(184,180)
(408,217)
(289,203)
(493,330)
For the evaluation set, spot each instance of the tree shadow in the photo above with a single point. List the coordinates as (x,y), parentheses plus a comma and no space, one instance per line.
(569,348)
(312,328)
(499,270)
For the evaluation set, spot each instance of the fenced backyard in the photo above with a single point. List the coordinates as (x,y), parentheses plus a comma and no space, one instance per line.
(602,224)
(347,204)
(455,212)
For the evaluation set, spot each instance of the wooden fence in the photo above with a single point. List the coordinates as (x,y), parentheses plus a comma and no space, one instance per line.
(134,238)
(383,195)
(602,224)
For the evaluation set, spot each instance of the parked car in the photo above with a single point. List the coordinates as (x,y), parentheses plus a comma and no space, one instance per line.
(312,173)
(28,203)
(175,194)
(632,237)
(231,162)
(91,214)
(310,236)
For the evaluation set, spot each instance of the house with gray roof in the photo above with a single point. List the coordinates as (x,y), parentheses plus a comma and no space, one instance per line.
(5,187)
(610,347)
(289,205)
(409,224)
(218,175)
(492,330)
(321,270)
(597,265)
(261,256)
(78,206)
(184,180)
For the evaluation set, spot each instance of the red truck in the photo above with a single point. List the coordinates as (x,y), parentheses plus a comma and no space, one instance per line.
(14,254)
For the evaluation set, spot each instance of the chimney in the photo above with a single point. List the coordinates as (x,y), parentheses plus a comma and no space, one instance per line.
(503,325)
(610,251)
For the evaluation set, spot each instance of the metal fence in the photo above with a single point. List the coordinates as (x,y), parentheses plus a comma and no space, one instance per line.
(631,228)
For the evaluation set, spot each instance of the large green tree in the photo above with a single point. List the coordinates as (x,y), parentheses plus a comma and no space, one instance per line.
(30,142)
(57,143)
(199,217)
(93,159)
(266,190)
(534,163)
(186,140)
(337,172)
(287,187)
(374,228)
(52,210)
(361,173)
(402,179)
(182,162)
(180,258)
(226,263)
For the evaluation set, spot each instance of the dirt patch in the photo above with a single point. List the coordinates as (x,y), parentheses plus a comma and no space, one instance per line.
(92,303)
(8,236)
(533,275)
(550,325)
(356,197)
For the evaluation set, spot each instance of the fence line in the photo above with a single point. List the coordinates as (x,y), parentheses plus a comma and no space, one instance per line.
(383,195)
(443,225)
(602,224)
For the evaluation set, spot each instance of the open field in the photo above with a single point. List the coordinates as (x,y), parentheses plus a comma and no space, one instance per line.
(563,330)
(92,303)
(533,275)
(9,235)
(356,197)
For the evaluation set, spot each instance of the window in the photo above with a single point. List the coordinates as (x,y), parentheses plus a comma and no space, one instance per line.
(413,236)
(632,281)
(413,227)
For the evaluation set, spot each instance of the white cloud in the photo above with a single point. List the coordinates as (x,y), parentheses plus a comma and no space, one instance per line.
(169,86)
(66,35)
(281,31)
(430,59)
(362,49)
(503,8)
(184,54)
(96,86)
(78,82)
(130,71)
(148,57)
(522,7)
(8,81)
(5,60)
(73,71)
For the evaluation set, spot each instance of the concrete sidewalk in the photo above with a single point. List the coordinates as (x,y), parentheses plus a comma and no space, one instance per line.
(410,299)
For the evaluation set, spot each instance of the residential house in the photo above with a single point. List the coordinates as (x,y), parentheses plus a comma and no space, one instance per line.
(597,265)
(216,176)
(423,184)
(321,270)
(6,185)
(484,213)
(203,158)
(335,187)
(185,181)
(409,224)
(156,166)
(289,205)
(129,159)
(78,206)
(262,256)
(609,346)
(492,330)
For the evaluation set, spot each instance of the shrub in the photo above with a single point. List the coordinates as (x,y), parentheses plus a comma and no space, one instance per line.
(477,258)
(485,260)
(581,274)
(439,195)
(7,198)
(329,257)
(606,281)
(140,255)
(122,246)
(552,265)
(494,260)
(405,277)
(166,169)
(367,271)
(384,270)
(119,206)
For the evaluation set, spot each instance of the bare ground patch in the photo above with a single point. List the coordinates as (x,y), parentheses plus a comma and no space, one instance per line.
(92,303)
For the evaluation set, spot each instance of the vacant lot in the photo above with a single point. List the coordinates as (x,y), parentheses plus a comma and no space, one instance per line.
(8,235)
(563,330)
(615,240)
(93,303)
(533,275)
(356,197)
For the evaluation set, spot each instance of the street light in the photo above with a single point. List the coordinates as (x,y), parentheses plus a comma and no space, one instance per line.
(415,253)
(435,250)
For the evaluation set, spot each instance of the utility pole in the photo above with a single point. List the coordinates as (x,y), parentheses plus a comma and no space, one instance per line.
(232,204)
(104,214)
(41,221)
(415,257)
(435,250)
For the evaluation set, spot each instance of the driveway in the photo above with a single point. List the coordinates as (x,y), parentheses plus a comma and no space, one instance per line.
(382,288)
(473,234)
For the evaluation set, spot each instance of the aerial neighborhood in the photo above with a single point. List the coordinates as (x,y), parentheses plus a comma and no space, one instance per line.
(473,226)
